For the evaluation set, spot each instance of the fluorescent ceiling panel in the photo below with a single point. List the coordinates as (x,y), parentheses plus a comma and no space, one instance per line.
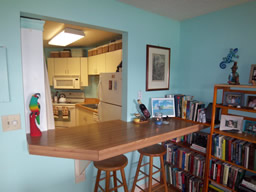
(66,37)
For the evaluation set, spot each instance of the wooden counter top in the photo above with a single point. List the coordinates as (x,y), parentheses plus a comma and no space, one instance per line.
(107,139)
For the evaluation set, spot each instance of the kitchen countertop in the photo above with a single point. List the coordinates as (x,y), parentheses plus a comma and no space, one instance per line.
(106,139)
(89,101)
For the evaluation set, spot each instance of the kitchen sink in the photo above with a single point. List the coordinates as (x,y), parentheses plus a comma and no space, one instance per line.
(92,106)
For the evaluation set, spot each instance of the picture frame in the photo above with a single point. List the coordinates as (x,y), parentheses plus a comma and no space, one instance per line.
(251,101)
(233,99)
(158,68)
(249,127)
(231,123)
(165,106)
(252,74)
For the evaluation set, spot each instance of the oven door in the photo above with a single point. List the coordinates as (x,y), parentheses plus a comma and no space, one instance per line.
(64,116)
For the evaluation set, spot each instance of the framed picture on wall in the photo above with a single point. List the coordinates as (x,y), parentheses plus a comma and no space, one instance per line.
(253,74)
(158,68)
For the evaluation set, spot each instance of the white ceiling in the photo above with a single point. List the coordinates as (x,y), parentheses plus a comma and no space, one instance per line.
(182,9)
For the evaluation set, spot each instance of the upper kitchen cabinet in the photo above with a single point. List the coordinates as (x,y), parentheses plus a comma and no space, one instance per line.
(84,72)
(67,66)
(113,59)
(74,66)
(97,64)
(105,62)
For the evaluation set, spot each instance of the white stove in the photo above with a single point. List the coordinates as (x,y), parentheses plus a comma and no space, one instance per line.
(64,113)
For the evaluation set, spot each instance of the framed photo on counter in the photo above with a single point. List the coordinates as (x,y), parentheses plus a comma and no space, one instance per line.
(158,68)
(165,106)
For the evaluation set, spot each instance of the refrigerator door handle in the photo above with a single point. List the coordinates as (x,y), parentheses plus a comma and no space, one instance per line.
(98,90)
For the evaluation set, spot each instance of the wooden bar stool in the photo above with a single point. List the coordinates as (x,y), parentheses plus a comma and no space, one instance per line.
(152,151)
(112,164)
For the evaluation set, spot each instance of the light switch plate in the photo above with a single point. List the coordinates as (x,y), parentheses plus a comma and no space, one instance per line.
(11,122)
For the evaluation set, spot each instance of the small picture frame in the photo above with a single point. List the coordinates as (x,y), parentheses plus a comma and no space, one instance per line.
(165,106)
(233,99)
(249,127)
(251,101)
(252,77)
(231,123)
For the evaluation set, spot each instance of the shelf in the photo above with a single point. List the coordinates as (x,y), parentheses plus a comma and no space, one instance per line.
(221,185)
(239,166)
(245,109)
(235,86)
(205,124)
(241,136)
(184,171)
(172,188)
(186,145)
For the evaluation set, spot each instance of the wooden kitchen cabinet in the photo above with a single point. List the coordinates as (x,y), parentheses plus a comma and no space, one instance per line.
(96,64)
(73,66)
(85,116)
(66,66)
(84,72)
(113,59)
(105,62)
(50,66)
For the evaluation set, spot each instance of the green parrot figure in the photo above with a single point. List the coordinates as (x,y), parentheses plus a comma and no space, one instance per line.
(34,106)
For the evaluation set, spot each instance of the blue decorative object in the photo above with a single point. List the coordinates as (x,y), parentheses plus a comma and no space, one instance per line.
(226,60)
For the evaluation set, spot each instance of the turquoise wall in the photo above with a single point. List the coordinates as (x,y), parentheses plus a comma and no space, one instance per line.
(21,172)
(205,40)
(197,47)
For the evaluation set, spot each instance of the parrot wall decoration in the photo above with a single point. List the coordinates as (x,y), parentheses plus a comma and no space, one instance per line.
(34,116)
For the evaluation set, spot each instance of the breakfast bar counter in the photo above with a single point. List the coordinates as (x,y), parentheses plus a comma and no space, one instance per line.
(106,139)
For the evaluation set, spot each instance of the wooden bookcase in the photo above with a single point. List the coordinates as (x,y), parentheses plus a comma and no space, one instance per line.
(186,145)
(229,110)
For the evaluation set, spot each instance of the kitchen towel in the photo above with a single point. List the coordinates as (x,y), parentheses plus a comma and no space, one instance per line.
(65,113)
(56,112)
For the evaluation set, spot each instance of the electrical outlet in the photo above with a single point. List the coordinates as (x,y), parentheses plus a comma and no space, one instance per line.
(11,122)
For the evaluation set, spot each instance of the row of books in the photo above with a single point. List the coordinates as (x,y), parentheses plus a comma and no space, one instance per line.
(248,184)
(196,140)
(226,174)
(234,150)
(185,159)
(187,108)
(214,187)
(183,180)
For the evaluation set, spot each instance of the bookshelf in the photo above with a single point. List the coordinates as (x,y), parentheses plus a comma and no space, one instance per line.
(191,173)
(244,138)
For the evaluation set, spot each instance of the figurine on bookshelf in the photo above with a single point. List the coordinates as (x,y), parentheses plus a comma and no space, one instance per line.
(233,78)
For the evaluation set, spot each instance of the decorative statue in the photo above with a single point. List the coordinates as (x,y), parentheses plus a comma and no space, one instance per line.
(232,53)
(34,117)
(233,78)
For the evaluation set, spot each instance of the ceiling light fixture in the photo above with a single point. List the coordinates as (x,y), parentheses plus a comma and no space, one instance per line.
(66,37)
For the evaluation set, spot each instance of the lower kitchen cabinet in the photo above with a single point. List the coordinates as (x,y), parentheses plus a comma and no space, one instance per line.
(85,116)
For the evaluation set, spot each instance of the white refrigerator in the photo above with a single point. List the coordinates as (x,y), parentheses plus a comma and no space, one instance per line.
(110,96)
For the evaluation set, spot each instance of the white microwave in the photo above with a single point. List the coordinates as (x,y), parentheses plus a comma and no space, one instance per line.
(68,82)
